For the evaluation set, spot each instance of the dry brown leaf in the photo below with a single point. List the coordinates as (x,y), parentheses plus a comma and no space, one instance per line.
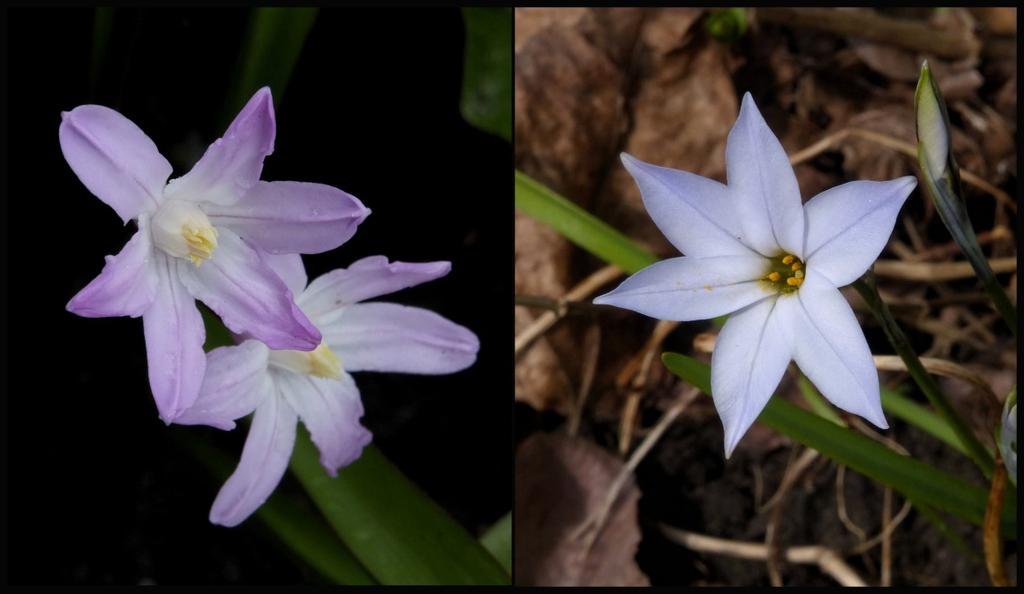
(683,108)
(560,482)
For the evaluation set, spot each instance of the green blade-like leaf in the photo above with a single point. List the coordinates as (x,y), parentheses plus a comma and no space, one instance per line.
(273,42)
(398,533)
(487,70)
(498,540)
(307,536)
(914,479)
(921,417)
(579,226)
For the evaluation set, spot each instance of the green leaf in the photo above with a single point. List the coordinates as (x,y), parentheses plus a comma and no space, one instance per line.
(270,49)
(942,182)
(981,456)
(579,226)
(817,402)
(916,480)
(307,536)
(487,70)
(921,417)
(398,533)
(498,540)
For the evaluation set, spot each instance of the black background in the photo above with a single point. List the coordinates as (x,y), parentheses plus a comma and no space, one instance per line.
(99,489)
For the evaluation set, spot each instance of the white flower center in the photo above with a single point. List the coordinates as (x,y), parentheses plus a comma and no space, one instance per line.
(321,362)
(181,229)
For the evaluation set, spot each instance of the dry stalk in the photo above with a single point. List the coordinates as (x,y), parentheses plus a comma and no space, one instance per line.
(591,529)
(941,367)
(638,384)
(938,271)
(828,560)
(548,319)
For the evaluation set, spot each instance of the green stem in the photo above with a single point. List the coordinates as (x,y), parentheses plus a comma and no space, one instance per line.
(867,289)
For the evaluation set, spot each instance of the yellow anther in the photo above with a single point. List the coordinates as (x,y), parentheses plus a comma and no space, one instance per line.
(799,274)
(794,281)
(788,260)
(774,277)
(797,266)
(201,241)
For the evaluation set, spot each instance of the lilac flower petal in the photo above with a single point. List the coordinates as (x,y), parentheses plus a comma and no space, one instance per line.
(763,185)
(397,338)
(751,355)
(174,343)
(291,270)
(364,279)
(695,213)
(684,289)
(114,159)
(236,382)
(126,286)
(233,163)
(248,296)
(849,225)
(330,409)
(291,217)
(265,456)
(830,348)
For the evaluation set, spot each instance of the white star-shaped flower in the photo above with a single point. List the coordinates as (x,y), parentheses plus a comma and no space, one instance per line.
(755,251)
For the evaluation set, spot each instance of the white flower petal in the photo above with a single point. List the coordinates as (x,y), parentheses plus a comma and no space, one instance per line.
(830,348)
(695,213)
(750,357)
(265,456)
(330,408)
(685,289)
(763,186)
(236,382)
(849,225)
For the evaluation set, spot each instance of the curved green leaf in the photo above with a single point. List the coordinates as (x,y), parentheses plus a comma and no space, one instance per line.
(579,226)
(916,480)
(498,540)
(307,536)
(398,533)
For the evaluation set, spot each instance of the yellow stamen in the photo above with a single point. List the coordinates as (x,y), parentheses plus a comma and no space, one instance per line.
(323,362)
(799,274)
(797,266)
(201,241)
(774,277)
(794,281)
(788,260)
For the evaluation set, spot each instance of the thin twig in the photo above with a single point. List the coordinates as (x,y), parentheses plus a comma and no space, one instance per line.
(828,560)
(902,147)
(886,578)
(548,319)
(595,523)
(638,385)
(938,271)
(591,352)
(871,26)
(940,367)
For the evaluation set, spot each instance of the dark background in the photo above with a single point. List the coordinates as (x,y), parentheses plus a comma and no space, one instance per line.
(99,489)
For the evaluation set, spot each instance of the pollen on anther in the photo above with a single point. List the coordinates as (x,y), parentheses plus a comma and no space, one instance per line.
(774,277)
(796,266)
(799,274)
(787,260)
(794,281)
